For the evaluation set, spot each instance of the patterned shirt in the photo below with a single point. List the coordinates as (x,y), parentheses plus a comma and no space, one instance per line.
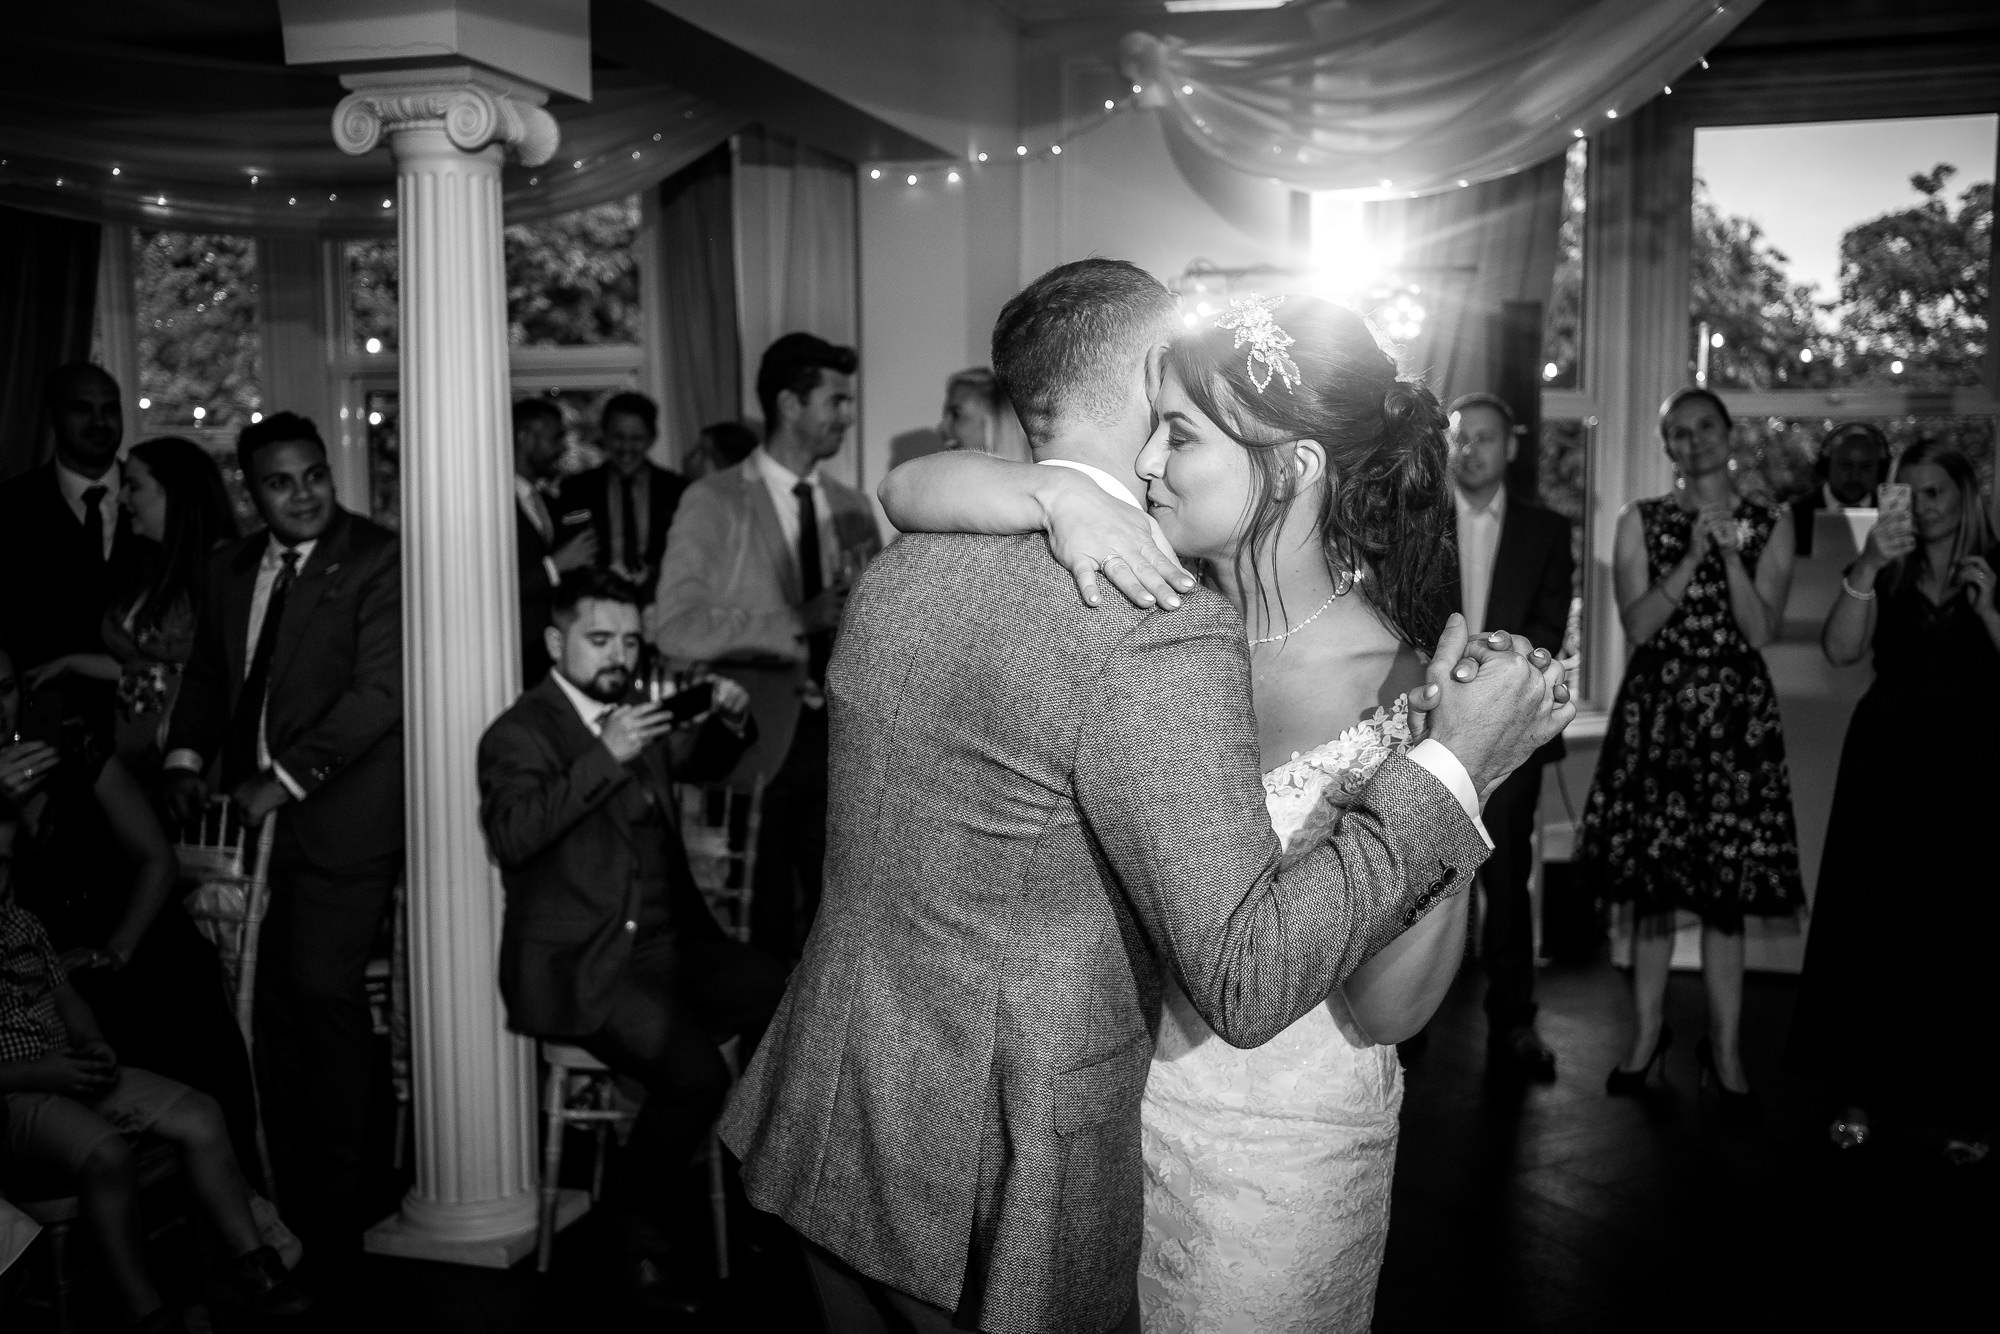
(30,973)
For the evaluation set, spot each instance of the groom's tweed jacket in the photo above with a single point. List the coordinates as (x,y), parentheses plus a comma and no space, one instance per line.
(1038,811)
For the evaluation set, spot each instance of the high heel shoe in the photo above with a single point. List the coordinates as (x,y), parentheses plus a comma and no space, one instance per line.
(1620,1081)
(1738,1108)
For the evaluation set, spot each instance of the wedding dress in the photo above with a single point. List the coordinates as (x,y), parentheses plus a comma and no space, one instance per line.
(1268,1171)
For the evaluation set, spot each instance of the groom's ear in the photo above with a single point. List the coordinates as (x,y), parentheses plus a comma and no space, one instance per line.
(1156,370)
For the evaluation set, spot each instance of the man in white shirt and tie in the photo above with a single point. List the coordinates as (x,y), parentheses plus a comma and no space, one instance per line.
(757,569)
(62,522)
(1515,571)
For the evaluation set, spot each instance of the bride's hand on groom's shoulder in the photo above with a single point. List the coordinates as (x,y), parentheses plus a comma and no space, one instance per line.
(1096,538)
(1493,701)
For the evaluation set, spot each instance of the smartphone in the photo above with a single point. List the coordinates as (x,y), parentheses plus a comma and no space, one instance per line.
(1894,501)
(690,701)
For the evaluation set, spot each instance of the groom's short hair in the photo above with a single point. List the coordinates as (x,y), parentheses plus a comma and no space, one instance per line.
(1067,343)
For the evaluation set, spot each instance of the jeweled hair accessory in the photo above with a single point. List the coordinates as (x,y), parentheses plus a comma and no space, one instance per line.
(1250,318)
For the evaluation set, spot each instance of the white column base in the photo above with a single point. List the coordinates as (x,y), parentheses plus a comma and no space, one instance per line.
(491,1235)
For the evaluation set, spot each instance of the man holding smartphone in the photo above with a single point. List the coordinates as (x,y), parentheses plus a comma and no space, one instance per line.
(607,943)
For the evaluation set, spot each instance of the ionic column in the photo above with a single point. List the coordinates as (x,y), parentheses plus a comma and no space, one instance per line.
(474,1199)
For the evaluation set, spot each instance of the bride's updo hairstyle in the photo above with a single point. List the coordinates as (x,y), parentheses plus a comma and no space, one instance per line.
(1385,516)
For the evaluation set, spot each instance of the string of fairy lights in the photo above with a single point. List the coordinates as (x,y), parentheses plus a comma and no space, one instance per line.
(117,179)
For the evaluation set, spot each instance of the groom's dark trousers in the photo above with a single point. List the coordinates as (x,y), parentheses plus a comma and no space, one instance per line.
(852,1303)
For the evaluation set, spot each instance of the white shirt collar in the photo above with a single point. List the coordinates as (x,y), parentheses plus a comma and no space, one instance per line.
(274,553)
(1497,506)
(74,484)
(777,475)
(1110,485)
(588,709)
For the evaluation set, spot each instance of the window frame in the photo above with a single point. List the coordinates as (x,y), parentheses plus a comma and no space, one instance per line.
(1638,238)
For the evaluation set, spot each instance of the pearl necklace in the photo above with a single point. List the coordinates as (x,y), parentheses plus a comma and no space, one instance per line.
(1339,590)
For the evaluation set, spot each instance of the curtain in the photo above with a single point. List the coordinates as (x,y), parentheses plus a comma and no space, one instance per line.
(1419,95)
(246,147)
(48,296)
(698,257)
(795,245)
(1469,251)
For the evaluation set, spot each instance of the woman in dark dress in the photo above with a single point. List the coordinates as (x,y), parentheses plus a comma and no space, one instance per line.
(1896,1006)
(91,861)
(1690,816)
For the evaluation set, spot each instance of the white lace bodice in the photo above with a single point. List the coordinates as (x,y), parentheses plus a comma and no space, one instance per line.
(1268,1171)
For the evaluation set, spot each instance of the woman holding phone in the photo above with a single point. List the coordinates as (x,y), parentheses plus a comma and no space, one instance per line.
(1690,815)
(1896,1006)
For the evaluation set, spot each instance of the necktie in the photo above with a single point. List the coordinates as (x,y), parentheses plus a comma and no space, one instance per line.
(240,758)
(629,518)
(819,646)
(93,520)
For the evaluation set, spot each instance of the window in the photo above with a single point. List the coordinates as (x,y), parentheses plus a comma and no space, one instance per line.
(198,335)
(1562,341)
(1836,269)
(572,281)
(573,327)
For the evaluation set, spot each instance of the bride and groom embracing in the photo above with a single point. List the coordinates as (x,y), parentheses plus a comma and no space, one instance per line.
(1071,871)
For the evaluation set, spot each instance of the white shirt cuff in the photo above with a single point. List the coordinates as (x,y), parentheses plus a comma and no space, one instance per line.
(1436,757)
(184,759)
(299,794)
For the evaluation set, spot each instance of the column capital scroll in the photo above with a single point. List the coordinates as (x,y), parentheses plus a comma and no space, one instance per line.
(473,107)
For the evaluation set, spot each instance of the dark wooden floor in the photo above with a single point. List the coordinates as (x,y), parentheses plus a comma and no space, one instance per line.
(1546,1208)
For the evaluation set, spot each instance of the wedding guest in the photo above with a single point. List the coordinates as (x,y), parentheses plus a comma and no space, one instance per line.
(1514,573)
(62,522)
(174,495)
(627,501)
(1895,1016)
(1690,816)
(607,942)
(294,698)
(978,416)
(545,548)
(1853,461)
(720,445)
(67,1102)
(92,863)
(757,570)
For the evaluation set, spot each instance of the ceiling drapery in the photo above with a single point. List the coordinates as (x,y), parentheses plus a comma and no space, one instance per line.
(85,133)
(1411,96)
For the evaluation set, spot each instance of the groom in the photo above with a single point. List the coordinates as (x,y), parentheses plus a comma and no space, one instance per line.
(1041,812)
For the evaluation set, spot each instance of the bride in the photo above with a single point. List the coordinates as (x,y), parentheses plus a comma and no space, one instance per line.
(1309,484)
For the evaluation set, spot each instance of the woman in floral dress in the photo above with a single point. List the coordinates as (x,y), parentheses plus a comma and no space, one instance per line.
(1690,816)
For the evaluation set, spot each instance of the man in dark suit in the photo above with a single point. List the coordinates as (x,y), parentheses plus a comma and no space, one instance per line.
(294,699)
(628,501)
(1853,461)
(607,942)
(66,544)
(547,546)
(1514,573)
